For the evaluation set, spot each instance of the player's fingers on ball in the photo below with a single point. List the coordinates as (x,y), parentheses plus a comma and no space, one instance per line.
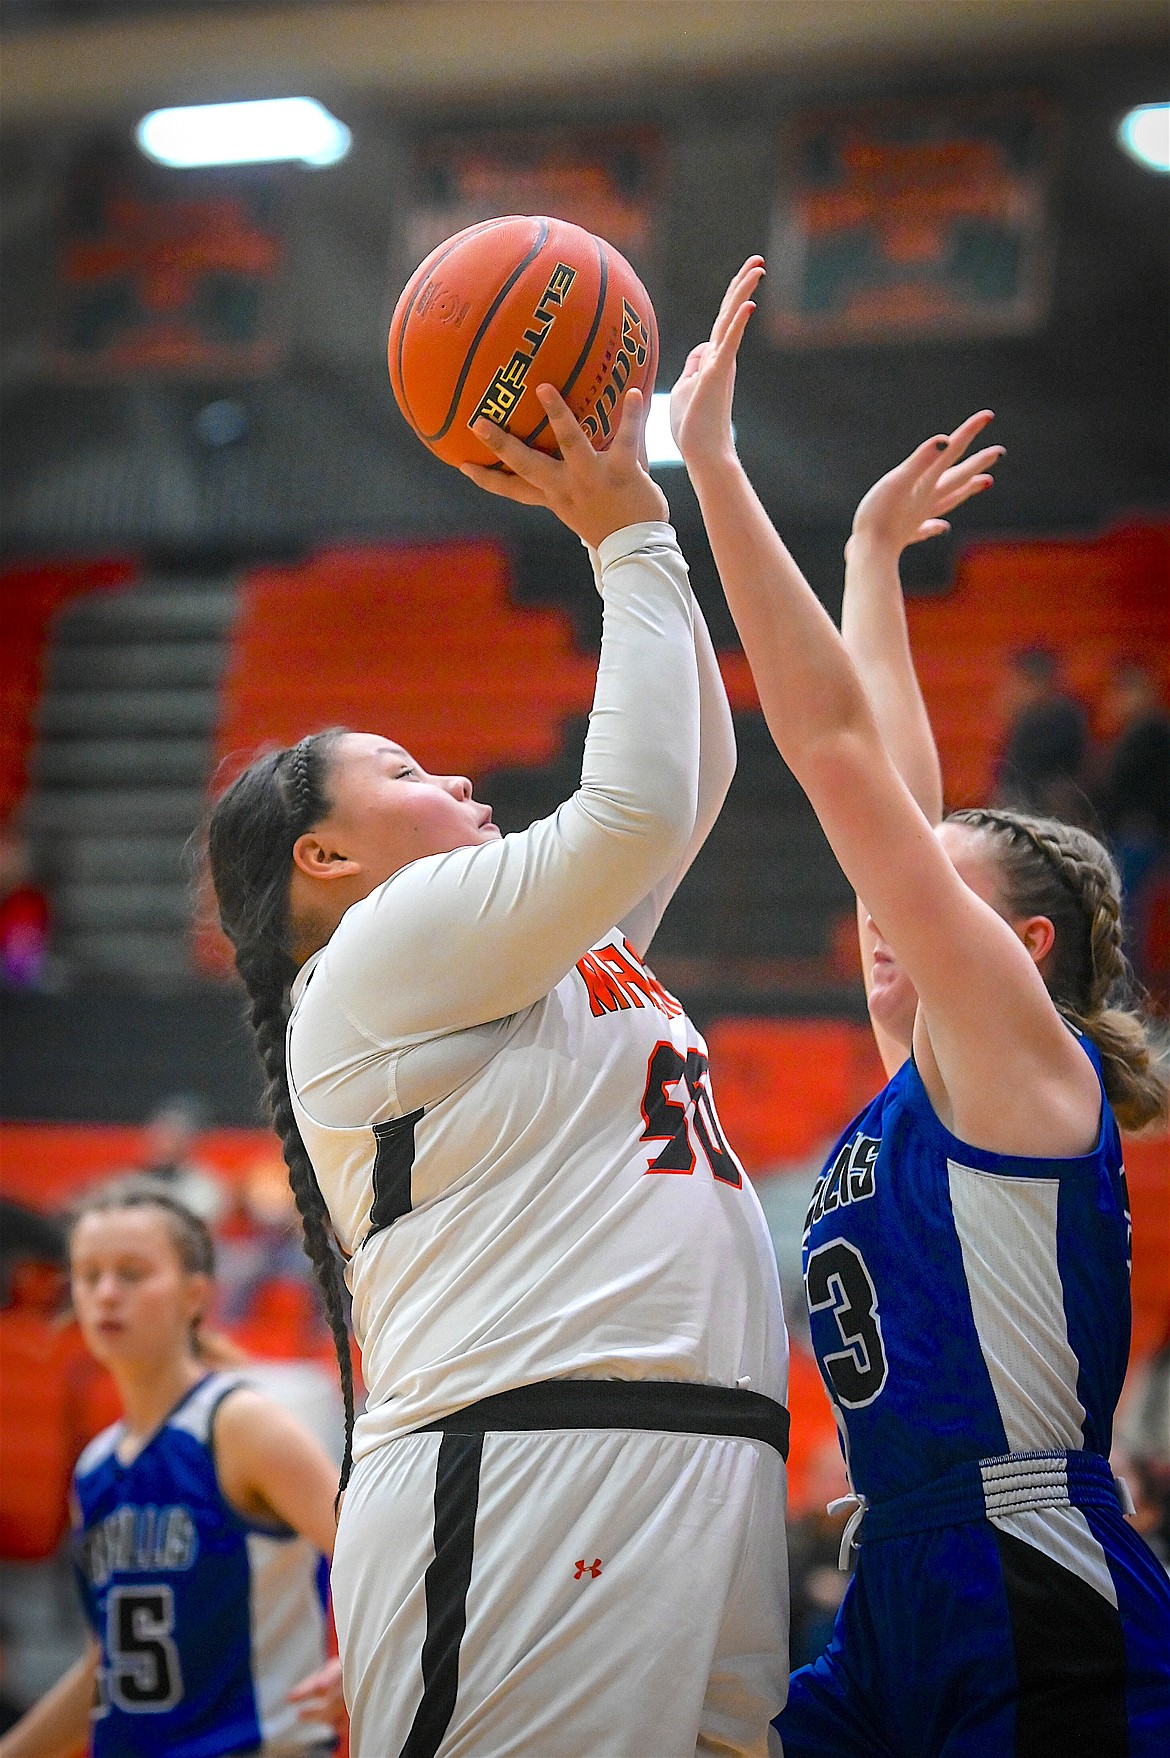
(628,434)
(570,436)
(533,466)
(503,483)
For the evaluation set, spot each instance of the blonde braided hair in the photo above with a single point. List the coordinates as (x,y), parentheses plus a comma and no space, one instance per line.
(1060,871)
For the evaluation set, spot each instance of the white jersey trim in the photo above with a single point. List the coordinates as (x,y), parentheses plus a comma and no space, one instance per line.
(1007,1233)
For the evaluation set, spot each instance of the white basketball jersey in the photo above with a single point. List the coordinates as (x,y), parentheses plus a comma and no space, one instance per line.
(510,1120)
(563,1205)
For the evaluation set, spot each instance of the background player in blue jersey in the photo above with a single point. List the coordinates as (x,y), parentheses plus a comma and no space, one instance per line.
(200,1522)
(966,1256)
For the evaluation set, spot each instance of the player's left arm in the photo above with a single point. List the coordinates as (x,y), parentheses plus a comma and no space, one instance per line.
(717,756)
(272,1470)
(905,506)
(984,1007)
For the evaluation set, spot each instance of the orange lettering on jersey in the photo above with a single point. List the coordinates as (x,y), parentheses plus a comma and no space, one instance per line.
(605,996)
(616,979)
(638,976)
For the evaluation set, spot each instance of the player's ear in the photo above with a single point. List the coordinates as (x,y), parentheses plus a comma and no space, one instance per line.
(317,858)
(1038,935)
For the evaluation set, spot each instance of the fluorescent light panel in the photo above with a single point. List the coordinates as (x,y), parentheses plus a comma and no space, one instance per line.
(1145,135)
(660,446)
(263,132)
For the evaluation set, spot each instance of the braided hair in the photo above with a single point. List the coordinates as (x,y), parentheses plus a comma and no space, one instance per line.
(1057,870)
(250,838)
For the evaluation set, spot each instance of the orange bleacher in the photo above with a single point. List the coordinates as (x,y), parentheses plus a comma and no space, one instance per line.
(1092,601)
(30,593)
(419,641)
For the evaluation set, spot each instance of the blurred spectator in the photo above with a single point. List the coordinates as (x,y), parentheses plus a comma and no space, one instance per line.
(10,1709)
(260,1238)
(1142,1450)
(1134,796)
(816,1582)
(27,1235)
(24,916)
(1042,766)
(169,1156)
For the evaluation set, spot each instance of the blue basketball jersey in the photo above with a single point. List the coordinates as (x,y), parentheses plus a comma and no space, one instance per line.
(205,1621)
(964,1304)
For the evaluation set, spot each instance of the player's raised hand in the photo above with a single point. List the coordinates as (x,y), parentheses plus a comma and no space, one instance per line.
(593,493)
(700,403)
(910,502)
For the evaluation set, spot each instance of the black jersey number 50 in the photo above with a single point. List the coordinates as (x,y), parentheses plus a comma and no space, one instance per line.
(837,1277)
(144,1672)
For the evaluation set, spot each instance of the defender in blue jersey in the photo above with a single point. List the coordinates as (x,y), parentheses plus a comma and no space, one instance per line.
(967,1246)
(199,1523)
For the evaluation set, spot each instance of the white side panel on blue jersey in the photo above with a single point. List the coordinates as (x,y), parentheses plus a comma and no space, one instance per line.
(195,1414)
(1064,1535)
(288,1636)
(1007,1233)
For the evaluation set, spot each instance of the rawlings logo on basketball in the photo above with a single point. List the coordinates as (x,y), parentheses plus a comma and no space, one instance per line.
(507,387)
(633,351)
(443,305)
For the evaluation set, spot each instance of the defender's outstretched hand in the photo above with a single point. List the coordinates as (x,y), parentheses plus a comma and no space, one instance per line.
(593,493)
(700,403)
(908,503)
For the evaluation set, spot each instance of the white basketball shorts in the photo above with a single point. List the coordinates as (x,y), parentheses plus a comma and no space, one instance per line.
(576,1593)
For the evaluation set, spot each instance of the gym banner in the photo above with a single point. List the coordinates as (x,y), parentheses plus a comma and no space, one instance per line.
(607,181)
(906,220)
(165,272)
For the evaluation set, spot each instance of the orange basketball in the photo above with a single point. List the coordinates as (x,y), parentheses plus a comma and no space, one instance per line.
(508,305)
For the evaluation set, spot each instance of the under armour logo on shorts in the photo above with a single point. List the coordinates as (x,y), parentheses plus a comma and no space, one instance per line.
(583,1568)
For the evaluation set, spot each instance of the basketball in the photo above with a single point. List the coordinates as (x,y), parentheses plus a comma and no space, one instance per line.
(505,306)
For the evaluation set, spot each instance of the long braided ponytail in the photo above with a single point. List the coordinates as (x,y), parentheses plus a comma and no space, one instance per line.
(250,838)
(1057,870)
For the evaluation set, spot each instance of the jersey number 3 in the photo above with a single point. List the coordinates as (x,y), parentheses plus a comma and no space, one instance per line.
(144,1674)
(684,1120)
(837,1277)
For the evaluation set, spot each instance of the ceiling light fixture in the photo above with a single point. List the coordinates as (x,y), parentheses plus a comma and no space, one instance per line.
(1145,135)
(263,132)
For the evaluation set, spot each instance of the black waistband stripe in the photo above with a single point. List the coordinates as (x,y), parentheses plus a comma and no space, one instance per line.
(675,1406)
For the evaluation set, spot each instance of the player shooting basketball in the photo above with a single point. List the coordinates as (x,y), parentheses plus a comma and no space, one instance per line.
(564,1532)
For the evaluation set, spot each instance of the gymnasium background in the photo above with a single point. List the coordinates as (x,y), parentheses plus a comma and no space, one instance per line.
(217,530)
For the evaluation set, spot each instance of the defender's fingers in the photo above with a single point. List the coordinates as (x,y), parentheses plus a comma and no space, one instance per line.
(693,361)
(503,483)
(977,465)
(967,430)
(733,335)
(956,443)
(964,491)
(741,287)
